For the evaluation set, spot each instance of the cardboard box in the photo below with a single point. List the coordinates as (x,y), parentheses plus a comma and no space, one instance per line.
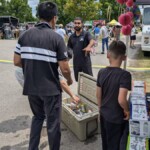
(139,123)
(137,143)
(139,128)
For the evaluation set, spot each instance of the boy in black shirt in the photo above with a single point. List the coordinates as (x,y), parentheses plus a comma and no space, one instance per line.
(113,84)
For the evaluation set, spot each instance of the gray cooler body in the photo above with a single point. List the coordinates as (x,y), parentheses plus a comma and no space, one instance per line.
(86,125)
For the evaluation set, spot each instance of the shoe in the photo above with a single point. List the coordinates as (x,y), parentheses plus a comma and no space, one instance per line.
(102,52)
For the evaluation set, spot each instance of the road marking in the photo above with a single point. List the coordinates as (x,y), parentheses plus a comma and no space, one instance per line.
(93,66)
(128,68)
(6,61)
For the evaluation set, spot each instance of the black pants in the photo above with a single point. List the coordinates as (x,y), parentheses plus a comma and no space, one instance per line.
(111,135)
(49,107)
(86,69)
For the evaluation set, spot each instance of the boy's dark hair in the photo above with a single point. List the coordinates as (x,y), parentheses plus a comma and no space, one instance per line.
(47,10)
(79,18)
(118,48)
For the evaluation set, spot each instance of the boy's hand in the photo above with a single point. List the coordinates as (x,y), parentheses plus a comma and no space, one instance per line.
(76,99)
(127,115)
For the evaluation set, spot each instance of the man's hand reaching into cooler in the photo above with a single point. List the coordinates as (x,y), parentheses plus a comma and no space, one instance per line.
(76,99)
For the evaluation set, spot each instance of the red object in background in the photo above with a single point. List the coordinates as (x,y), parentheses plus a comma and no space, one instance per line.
(130,14)
(124,19)
(129,3)
(126,30)
(122,1)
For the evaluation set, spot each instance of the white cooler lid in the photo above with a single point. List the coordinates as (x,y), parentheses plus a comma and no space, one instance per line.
(87,87)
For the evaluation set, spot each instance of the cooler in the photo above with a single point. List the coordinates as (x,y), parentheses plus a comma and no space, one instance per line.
(86,125)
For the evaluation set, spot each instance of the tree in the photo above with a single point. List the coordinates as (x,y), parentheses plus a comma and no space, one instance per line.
(86,9)
(20,9)
(3,7)
(112,6)
(61,14)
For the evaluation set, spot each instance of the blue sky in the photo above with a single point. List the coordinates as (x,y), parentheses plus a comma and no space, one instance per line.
(33,4)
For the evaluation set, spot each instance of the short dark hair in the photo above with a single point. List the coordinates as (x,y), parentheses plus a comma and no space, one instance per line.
(47,10)
(79,18)
(118,48)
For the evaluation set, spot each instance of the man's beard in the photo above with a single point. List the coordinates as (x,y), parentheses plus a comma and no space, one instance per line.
(77,28)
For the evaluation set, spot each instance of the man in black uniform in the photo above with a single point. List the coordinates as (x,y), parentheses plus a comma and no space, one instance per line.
(39,52)
(81,42)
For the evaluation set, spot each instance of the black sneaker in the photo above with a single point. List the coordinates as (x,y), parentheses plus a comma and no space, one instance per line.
(102,52)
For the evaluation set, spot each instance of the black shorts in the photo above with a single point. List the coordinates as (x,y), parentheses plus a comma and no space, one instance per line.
(133,37)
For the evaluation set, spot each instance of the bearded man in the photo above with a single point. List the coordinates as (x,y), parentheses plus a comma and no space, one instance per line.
(81,43)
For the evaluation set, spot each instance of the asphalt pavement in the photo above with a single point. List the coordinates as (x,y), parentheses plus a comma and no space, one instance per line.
(15,114)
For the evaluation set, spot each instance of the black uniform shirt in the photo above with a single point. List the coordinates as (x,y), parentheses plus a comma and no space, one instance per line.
(41,49)
(110,80)
(77,44)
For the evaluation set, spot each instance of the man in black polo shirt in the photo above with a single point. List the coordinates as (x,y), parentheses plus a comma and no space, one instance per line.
(39,52)
(81,42)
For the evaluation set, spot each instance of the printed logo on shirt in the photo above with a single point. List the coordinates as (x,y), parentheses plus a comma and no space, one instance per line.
(81,38)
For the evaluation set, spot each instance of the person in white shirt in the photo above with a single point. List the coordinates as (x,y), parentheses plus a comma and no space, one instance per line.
(133,37)
(104,34)
(61,31)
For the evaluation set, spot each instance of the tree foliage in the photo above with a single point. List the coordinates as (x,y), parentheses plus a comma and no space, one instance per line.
(113,11)
(86,9)
(62,16)
(3,7)
(68,9)
(17,8)
(20,9)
